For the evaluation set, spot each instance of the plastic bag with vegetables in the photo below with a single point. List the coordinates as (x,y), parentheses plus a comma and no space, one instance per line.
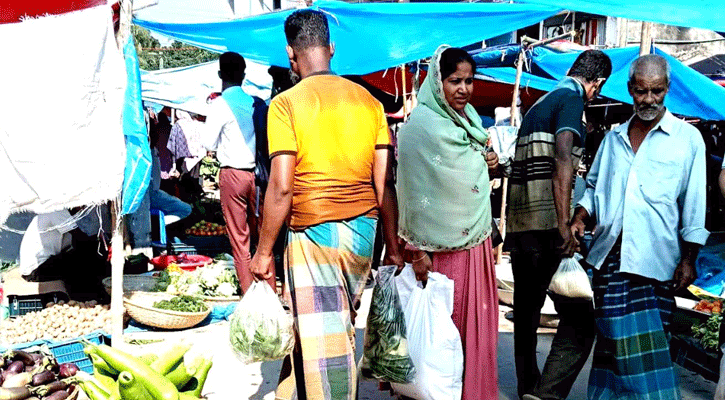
(260,329)
(385,355)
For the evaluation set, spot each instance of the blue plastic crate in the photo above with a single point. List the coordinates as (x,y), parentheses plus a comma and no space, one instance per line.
(68,351)
(71,351)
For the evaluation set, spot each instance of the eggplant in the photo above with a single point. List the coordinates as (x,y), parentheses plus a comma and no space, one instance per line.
(20,393)
(51,387)
(18,380)
(42,378)
(59,395)
(26,358)
(37,357)
(66,370)
(15,367)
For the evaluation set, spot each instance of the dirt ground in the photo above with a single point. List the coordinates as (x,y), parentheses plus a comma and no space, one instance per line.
(231,379)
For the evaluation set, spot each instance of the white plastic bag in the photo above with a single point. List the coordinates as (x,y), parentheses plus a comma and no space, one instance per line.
(570,280)
(503,139)
(260,329)
(720,389)
(433,340)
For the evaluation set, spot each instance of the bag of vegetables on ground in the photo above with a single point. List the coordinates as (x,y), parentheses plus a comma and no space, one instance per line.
(385,352)
(260,329)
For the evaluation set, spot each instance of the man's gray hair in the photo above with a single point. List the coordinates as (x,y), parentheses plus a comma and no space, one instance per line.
(649,62)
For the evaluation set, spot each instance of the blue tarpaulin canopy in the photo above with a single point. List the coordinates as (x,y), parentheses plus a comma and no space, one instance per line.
(368,36)
(707,14)
(691,93)
(508,75)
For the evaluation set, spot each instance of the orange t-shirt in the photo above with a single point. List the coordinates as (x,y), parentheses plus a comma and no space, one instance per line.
(333,126)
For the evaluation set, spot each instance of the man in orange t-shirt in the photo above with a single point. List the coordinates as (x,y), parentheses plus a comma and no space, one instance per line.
(330,149)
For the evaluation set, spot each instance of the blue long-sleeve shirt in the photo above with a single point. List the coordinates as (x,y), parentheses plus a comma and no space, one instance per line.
(654,198)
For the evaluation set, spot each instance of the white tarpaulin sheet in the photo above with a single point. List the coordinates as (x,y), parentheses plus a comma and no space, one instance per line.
(61,138)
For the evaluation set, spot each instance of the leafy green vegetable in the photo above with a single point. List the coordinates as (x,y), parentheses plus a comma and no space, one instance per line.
(708,332)
(385,355)
(260,329)
(182,303)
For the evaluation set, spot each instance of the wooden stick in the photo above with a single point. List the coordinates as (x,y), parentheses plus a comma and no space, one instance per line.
(526,43)
(646,43)
(405,97)
(117,261)
(124,23)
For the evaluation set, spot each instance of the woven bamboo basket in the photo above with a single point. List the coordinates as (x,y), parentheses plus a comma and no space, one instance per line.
(134,283)
(140,307)
(218,300)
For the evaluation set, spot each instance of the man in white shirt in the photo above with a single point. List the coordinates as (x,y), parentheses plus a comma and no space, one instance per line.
(229,131)
(646,195)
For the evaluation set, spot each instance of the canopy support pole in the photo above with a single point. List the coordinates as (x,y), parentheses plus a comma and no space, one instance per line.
(526,44)
(646,43)
(405,97)
(117,259)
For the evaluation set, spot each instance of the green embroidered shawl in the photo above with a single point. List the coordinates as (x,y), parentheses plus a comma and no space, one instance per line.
(443,183)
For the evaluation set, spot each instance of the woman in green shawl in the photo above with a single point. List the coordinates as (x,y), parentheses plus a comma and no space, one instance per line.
(445,209)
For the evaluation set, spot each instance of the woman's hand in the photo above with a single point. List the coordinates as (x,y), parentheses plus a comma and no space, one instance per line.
(421,265)
(492,161)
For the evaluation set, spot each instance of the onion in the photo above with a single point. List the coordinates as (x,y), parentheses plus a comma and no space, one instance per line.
(67,370)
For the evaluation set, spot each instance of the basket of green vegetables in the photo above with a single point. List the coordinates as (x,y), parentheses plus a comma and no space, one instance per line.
(166,311)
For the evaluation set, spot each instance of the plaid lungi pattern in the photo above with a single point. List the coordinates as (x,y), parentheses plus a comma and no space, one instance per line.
(327,266)
(632,353)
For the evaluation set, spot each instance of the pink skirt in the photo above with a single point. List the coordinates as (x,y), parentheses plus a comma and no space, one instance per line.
(475,314)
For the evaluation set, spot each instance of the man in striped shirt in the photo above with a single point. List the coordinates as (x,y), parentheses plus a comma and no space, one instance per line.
(548,151)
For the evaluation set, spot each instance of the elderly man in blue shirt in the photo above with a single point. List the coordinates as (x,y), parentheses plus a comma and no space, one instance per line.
(645,199)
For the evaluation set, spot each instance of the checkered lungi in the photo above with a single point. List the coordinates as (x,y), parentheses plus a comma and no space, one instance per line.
(327,266)
(632,353)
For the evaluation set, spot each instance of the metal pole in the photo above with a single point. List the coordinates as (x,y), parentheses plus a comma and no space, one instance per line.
(646,43)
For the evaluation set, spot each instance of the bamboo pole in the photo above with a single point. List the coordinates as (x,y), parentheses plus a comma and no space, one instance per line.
(514,117)
(646,43)
(526,43)
(622,32)
(117,259)
(405,97)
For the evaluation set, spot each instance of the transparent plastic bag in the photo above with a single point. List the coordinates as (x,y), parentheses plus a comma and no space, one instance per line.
(260,329)
(385,352)
(571,280)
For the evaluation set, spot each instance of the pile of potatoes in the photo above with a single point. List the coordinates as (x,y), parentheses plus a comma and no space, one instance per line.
(58,321)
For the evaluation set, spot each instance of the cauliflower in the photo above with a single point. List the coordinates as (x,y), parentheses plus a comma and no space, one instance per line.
(194,289)
(226,289)
(210,276)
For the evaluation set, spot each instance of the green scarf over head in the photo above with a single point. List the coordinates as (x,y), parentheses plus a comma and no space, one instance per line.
(443,183)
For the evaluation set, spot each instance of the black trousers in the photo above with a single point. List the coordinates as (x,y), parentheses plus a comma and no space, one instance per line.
(534,261)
